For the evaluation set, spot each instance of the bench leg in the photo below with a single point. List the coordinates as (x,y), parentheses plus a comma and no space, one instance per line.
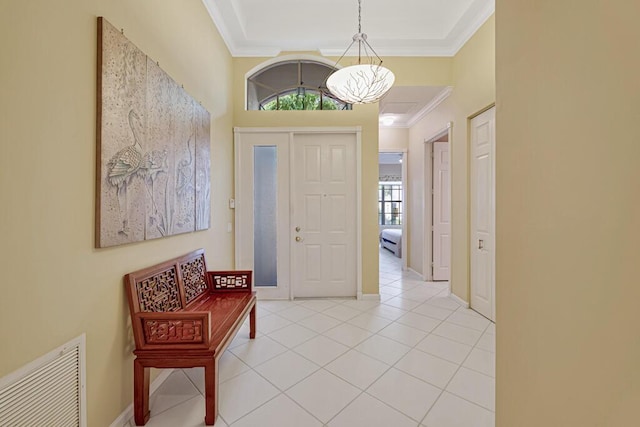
(252,322)
(211,392)
(140,393)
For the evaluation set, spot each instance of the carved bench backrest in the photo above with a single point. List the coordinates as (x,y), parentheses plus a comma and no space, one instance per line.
(194,276)
(159,292)
(168,286)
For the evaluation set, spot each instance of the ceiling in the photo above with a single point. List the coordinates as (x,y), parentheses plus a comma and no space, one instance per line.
(389,158)
(403,106)
(417,28)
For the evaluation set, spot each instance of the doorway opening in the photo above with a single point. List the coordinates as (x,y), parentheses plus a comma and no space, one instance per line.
(437,207)
(392,202)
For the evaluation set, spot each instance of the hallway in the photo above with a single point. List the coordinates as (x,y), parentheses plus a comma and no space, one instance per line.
(416,358)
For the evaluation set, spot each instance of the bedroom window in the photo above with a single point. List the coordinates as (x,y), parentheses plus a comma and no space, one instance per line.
(390,203)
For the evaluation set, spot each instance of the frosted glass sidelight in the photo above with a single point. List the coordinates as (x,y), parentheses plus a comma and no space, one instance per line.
(265,196)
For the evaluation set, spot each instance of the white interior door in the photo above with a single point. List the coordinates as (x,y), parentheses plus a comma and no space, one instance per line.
(441,211)
(323,218)
(483,213)
(262,210)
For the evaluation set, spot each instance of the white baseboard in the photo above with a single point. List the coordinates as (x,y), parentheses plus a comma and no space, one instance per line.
(369,297)
(127,414)
(415,272)
(459,300)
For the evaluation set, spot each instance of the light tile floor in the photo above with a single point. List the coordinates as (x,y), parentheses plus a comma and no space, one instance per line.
(416,358)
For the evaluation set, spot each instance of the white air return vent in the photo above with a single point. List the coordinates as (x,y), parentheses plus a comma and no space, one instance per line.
(49,391)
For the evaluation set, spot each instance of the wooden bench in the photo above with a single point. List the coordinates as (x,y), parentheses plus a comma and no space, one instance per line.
(184,316)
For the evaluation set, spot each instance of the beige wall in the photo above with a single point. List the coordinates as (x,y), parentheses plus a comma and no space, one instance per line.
(473,77)
(55,285)
(568,214)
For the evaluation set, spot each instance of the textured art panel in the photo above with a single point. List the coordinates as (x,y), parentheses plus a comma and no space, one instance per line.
(153,157)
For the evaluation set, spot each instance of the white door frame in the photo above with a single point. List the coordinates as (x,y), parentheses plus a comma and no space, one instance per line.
(405,204)
(357,130)
(427,202)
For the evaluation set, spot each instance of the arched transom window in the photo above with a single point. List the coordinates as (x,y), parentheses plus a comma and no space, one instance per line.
(292,85)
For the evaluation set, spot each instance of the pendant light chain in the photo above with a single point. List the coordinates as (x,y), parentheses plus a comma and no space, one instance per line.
(359,31)
(361,83)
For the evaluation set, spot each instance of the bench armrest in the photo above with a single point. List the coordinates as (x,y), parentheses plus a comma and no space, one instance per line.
(173,330)
(230,281)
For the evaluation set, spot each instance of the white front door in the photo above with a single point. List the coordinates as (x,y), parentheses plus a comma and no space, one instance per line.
(296,211)
(482,244)
(323,218)
(441,211)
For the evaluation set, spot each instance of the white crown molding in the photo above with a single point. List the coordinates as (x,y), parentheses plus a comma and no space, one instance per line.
(470,29)
(437,100)
(218,21)
(240,19)
(235,50)
(231,26)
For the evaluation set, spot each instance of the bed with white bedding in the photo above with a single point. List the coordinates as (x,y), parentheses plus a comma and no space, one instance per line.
(391,239)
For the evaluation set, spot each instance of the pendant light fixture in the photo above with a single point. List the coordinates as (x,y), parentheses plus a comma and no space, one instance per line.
(365,82)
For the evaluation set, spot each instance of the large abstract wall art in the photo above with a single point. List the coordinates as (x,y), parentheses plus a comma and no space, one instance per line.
(153,164)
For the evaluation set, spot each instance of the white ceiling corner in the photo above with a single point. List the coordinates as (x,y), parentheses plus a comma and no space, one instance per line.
(423,99)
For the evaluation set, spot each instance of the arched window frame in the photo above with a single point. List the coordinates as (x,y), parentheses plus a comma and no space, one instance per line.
(253,103)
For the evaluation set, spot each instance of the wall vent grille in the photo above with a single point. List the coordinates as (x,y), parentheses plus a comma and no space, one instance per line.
(49,391)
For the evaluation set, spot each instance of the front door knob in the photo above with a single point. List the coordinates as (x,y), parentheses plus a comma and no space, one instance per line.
(298,239)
